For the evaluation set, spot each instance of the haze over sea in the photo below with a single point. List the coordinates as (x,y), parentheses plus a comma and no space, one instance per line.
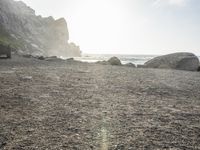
(125,58)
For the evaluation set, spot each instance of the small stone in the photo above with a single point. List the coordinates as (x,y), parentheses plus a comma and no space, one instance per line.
(27,78)
(119,147)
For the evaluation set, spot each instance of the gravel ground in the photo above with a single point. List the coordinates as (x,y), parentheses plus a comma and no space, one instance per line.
(70,105)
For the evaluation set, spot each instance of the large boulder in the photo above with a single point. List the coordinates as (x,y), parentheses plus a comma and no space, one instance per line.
(179,61)
(130,65)
(115,61)
(198,68)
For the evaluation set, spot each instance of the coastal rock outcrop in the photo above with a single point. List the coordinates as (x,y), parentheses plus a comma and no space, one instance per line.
(115,61)
(34,35)
(179,61)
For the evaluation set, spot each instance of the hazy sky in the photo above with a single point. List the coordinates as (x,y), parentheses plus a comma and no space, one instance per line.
(128,26)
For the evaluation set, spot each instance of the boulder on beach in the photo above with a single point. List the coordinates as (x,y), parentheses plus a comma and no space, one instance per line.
(198,69)
(179,61)
(130,65)
(115,61)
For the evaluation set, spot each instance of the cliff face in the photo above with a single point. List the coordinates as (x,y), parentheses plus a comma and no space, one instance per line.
(31,34)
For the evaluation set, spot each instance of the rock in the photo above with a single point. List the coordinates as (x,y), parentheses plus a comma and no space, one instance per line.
(27,56)
(130,65)
(103,62)
(75,50)
(179,61)
(119,147)
(2,141)
(41,58)
(140,66)
(5,50)
(198,69)
(114,61)
(111,61)
(70,59)
(31,56)
(26,78)
(53,58)
(32,34)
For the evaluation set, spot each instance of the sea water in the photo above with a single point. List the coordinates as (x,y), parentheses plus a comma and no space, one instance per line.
(135,59)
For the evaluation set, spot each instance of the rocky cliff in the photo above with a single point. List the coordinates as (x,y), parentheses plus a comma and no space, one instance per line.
(27,33)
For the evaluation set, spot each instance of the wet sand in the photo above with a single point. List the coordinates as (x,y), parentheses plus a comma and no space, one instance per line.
(80,106)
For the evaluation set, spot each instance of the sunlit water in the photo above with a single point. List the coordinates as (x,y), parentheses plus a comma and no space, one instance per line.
(136,59)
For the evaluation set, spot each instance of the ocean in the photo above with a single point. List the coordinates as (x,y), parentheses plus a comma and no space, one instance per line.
(135,59)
